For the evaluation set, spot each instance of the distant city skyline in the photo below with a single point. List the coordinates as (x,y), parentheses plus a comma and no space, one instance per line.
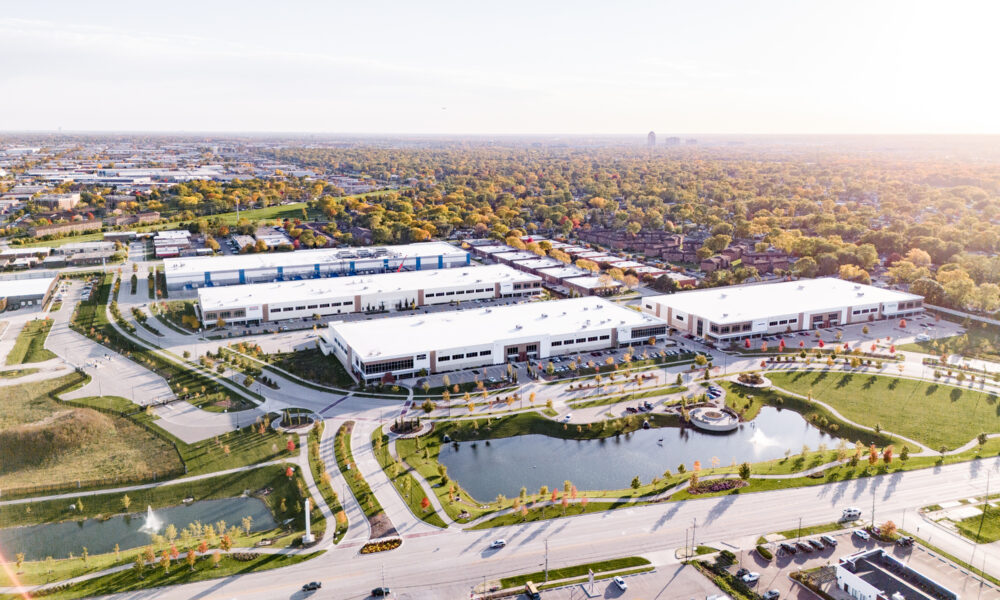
(452,68)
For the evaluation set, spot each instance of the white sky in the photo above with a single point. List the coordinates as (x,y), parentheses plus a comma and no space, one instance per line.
(512,66)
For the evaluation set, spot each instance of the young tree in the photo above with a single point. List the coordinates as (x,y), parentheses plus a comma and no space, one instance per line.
(126,502)
(191,557)
(226,543)
(139,565)
(745,471)
(636,483)
(216,559)
(165,561)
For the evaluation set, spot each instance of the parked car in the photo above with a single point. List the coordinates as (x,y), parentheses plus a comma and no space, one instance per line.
(620,583)
(817,544)
(828,540)
(381,592)
(862,534)
(751,578)
(741,572)
(787,548)
(312,586)
(772,595)
(904,541)
(803,546)
(498,544)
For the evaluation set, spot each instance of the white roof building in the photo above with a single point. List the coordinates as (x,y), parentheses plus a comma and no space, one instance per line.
(15,293)
(260,302)
(741,312)
(485,336)
(308,264)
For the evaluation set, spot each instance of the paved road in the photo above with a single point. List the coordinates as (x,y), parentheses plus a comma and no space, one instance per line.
(438,565)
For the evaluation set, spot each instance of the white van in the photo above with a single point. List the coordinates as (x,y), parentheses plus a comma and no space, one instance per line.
(850,514)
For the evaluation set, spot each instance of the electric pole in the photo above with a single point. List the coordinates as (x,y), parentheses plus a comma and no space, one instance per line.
(546,560)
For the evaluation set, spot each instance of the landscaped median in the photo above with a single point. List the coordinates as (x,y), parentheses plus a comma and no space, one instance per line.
(380,524)
(30,344)
(405,483)
(322,479)
(604,569)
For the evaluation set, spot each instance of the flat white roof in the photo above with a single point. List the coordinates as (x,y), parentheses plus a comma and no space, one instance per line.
(324,256)
(563,272)
(36,286)
(222,297)
(736,304)
(538,263)
(591,282)
(403,336)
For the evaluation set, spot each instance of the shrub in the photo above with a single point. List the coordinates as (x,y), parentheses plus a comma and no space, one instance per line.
(381,546)
(764,552)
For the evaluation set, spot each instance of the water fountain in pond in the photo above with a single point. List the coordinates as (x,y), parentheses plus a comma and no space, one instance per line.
(152,524)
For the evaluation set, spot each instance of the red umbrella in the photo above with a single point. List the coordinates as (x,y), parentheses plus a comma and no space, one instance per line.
(821,344)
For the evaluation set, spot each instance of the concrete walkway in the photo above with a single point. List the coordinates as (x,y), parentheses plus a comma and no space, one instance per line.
(358,529)
(395,507)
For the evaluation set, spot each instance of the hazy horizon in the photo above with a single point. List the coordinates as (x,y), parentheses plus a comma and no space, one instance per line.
(450,68)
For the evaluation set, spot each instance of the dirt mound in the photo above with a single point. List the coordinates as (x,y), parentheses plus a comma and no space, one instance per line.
(35,443)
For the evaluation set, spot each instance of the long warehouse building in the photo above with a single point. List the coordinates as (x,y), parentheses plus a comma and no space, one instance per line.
(26,291)
(196,272)
(260,302)
(404,346)
(731,314)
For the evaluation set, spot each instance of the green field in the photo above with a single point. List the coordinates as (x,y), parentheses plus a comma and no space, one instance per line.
(312,365)
(44,441)
(982,529)
(935,414)
(30,344)
(239,448)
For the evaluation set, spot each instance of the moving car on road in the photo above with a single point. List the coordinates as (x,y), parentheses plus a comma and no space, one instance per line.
(312,586)
(381,592)
(497,544)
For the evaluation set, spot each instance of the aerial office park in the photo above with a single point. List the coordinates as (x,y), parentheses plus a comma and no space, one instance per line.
(416,345)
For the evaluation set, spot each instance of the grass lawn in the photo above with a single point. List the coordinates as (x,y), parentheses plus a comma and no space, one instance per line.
(812,530)
(319,473)
(575,571)
(179,573)
(239,448)
(55,306)
(553,511)
(30,344)
(311,365)
(404,481)
(935,414)
(982,529)
(44,441)
(15,373)
(345,461)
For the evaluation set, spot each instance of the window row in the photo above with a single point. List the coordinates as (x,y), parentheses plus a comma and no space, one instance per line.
(585,340)
(389,366)
(465,355)
(311,306)
(865,311)
(783,322)
(458,292)
(730,328)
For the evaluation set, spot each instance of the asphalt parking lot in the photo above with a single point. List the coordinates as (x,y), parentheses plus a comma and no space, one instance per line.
(774,574)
